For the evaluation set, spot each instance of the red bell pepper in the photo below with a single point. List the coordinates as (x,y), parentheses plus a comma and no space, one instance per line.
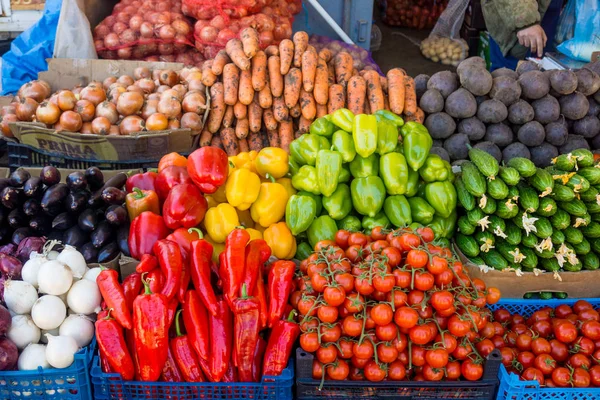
(220,330)
(131,288)
(168,178)
(261,294)
(231,375)
(151,333)
(200,269)
(147,263)
(143,181)
(145,230)
(257,253)
(185,207)
(170,261)
(111,343)
(208,168)
(205,365)
(259,353)
(184,238)
(280,282)
(130,340)
(172,310)
(246,325)
(195,319)
(185,356)
(281,341)
(156,281)
(232,271)
(171,372)
(112,293)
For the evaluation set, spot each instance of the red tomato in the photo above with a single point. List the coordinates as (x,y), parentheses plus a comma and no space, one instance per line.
(565,331)
(330,334)
(562,311)
(432,374)
(326,354)
(364,350)
(386,353)
(559,351)
(581,305)
(420,334)
(341,238)
(545,363)
(526,359)
(458,327)
(583,345)
(561,377)
(396,371)
(453,370)
(580,378)
(436,358)
(591,329)
(595,375)
(579,361)
(317,371)
(394,256)
(406,317)
(423,281)
(442,300)
(540,346)
(338,371)
(373,372)
(403,278)
(533,374)
(382,314)
(471,371)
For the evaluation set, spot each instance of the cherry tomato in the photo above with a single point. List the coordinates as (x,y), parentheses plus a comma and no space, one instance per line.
(526,358)
(319,282)
(415,297)
(354,303)
(432,374)
(324,245)
(583,345)
(386,353)
(579,361)
(591,329)
(580,378)
(384,282)
(420,334)
(542,328)
(436,358)
(417,354)
(426,234)
(533,374)
(424,281)
(453,370)
(471,371)
(501,315)
(540,346)
(317,370)
(378,233)
(595,375)
(363,350)
(406,317)
(565,331)
(559,351)
(492,295)
(488,331)
(589,314)
(354,253)
(326,354)
(545,363)
(561,377)
(449,342)
(401,342)
(485,347)
(356,374)
(444,278)
(341,238)
(508,356)
(359,362)
(417,258)
(327,314)
(398,297)
(387,332)
(436,265)
(338,371)
(581,305)
(562,311)
(408,241)
(462,351)
(396,371)
(357,238)
(458,327)
(393,255)
(382,314)
(352,326)
(373,372)
(442,300)
(363,286)
(330,333)
(403,278)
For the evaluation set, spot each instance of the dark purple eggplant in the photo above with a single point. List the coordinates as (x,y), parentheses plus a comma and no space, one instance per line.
(76,202)
(33,187)
(9,249)
(18,177)
(88,220)
(75,237)
(112,195)
(29,244)
(11,266)
(90,253)
(122,239)
(63,221)
(21,233)
(94,177)
(41,224)
(103,234)
(5,233)
(108,253)
(9,355)
(56,235)
(4,182)
(50,175)
(3,215)
(76,180)
(117,181)
(32,207)
(53,199)
(10,197)
(17,219)
(116,215)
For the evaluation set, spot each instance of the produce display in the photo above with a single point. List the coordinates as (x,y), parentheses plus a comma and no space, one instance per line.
(525,113)
(416,14)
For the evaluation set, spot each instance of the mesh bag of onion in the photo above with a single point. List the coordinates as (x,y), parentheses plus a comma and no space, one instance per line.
(362,58)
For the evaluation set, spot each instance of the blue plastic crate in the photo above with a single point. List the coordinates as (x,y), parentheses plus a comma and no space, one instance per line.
(112,387)
(72,383)
(511,387)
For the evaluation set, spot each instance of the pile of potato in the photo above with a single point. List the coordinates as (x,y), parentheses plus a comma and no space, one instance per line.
(444,50)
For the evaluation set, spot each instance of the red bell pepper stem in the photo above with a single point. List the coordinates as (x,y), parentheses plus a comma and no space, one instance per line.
(185,356)
(261,294)
(208,168)
(112,293)
(146,264)
(232,273)
(131,288)
(195,319)
(169,259)
(281,342)
(151,333)
(259,353)
(144,231)
(171,372)
(257,253)
(111,343)
(156,280)
(185,207)
(200,263)
(279,288)
(246,325)
(220,328)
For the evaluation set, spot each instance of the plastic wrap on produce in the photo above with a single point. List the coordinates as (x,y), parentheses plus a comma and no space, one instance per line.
(416,14)
(585,39)
(362,58)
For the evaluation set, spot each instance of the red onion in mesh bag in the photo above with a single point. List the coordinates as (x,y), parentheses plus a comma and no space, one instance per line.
(28,245)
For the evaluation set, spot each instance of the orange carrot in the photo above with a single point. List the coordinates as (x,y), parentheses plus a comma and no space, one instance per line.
(291,89)
(246,92)
(357,92)
(308,105)
(396,89)
(217,142)
(296,111)
(265,98)
(384,83)
(269,119)
(304,125)
(410,96)
(418,116)
(243,145)
(330,74)
(280,110)
(250,42)
(286,134)
(208,78)
(325,54)
(343,68)
(386,103)
(221,59)
(321,90)
(336,98)
(272,50)
(230,141)
(259,71)
(275,77)
(309,69)
(255,116)
(255,142)
(321,110)
(236,53)
(240,110)
(286,54)
(273,135)
(228,117)
(241,128)
(217,104)
(205,138)
(300,40)
(231,83)
(374,91)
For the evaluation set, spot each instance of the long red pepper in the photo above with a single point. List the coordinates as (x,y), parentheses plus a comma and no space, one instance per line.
(130,340)
(170,261)
(156,280)
(231,375)
(104,363)
(151,333)
(184,355)
(281,276)
(172,310)
(257,253)
(146,264)
(131,288)
(246,325)
(200,269)
(195,319)
(184,238)
(220,328)
(111,343)
(171,372)
(281,341)
(205,365)
(259,352)
(261,295)
(112,293)
(232,273)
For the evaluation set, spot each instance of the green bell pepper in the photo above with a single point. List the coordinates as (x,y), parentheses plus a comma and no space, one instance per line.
(303,251)
(350,223)
(368,195)
(385,115)
(364,134)
(362,167)
(294,166)
(387,137)
(451,176)
(443,227)
(306,179)
(342,143)
(420,210)
(380,219)
(339,204)
(345,174)
(412,184)
(300,212)
(416,143)
(329,166)
(315,197)
(304,149)
(322,228)
(394,171)
(343,118)
(322,127)
(397,210)
(434,169)
(412,126)
(442,197)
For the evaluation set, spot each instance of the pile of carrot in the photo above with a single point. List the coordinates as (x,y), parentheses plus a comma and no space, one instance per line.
(269,98)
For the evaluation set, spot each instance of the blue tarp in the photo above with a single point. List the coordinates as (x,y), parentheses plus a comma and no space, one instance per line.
(29,51)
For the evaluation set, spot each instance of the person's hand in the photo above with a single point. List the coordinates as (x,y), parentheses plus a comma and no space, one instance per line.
(534,38)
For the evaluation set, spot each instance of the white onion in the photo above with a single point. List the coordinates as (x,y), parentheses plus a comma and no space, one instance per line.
(32,357)
(54,278)
(19,296)
(61,350)
(48,312)
(79,327)
(74,260)
(30,270)
(53,332)
(84,297)
(52,255)
(92,274)
(23,331)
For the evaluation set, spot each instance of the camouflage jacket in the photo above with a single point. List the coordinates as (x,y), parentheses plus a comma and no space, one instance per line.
(504,18)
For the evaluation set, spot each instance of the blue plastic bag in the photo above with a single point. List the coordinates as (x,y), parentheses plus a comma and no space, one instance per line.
(566,23)
(586,38)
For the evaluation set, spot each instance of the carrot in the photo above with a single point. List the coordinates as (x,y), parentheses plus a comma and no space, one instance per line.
(221,59)
(418,116)
(355,72)
(300,40)
(321,89)
(275,76)
(309,69)
(410,96)
(217,107)
(217,142)
(273,136)
(246,92)
(336,98)
(343,68)
(386,103)
(250,42)
(240,110)
(321,110)
(208,78)
(286,53)
(241,128)
(269,119)
(374,91)
(205,138)
(286,134)
(395,79)
(236,53)
(325,54)
(272,50)
(291,88)
(280,110)
(308,105)
(255,116)
(259,71)
(230,141)
(367,108)
(228,117)
(304,125)
(357,92)
(255,141)
(384,83)
(265,98)
(296,111)
(243,145)
(231,83)
(330,74)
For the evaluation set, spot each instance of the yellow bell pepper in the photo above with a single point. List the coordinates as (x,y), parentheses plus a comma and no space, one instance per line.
(287,184)
(220,196)
(269,207)
(221,220)
(260,228)
(245,218)
(245,160)
(218,248)
(242,188)
(281,241)
(272,161)
(211,201)
(254,234)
